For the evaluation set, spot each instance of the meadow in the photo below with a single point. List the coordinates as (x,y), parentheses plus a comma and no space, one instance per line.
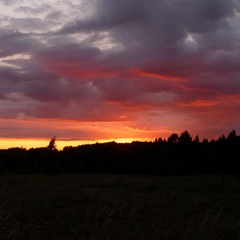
(88,207)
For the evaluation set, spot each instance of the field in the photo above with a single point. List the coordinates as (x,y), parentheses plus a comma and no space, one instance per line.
(88,207)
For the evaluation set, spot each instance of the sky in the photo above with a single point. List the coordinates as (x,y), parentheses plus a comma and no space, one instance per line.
(102,70)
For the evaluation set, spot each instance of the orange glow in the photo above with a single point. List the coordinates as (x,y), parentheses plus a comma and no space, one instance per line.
(138,72)
(191,88)
(200,103)
(221,100)
(126,107)
(67,132)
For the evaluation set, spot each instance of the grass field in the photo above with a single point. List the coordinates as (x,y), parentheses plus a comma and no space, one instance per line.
(119,207)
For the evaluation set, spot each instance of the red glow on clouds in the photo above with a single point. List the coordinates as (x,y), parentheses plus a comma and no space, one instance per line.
(76,72)
(71,132)
(161,67)
(164,77)
(200,103)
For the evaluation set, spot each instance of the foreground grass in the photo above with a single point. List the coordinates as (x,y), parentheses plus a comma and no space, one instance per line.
(119,207)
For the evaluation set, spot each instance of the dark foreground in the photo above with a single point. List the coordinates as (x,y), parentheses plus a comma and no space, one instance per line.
(119,207)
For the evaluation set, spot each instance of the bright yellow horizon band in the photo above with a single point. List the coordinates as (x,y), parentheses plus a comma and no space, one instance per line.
(6,143)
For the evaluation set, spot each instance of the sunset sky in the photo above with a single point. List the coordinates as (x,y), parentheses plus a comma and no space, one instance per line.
(123,70)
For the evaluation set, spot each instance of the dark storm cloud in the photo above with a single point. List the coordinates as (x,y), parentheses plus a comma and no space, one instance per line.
(166,19)
(108,16)
(69,53)
(157,32)
(14,42)
(123,58)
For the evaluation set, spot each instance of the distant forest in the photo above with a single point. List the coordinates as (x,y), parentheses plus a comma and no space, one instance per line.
(177,155)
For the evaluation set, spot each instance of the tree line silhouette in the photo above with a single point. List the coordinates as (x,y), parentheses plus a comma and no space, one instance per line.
(177,155)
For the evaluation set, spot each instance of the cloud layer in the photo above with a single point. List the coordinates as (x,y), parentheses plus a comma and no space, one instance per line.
(153,67)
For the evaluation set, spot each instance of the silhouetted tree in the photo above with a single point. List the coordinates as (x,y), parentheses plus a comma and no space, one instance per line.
(196,139)
(52,144)
(185,137)
(205,141)
(159,140)
(50,159)
(173,138)
(176,155)
(222,139)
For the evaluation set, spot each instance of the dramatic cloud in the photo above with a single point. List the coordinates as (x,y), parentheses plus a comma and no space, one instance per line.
(152,67)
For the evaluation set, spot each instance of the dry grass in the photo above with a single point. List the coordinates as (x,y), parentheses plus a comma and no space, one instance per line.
(89,207)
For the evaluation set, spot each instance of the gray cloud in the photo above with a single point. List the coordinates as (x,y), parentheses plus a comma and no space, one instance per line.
(40,9)
(14,42)
(122,58)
